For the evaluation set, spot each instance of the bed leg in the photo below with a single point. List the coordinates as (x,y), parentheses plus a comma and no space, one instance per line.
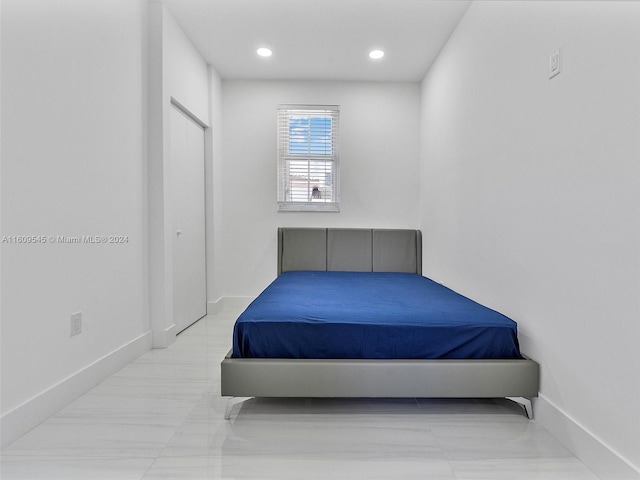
(525,403)
(232,402)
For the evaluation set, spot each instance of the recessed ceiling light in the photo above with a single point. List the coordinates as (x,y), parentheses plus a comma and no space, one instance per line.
(376,54)
(264,52)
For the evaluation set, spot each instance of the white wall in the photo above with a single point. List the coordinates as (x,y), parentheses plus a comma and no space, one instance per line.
(379,170)
(186,74)
(73,106)
(530,199)
(1,228)
(177,74)
(213,182)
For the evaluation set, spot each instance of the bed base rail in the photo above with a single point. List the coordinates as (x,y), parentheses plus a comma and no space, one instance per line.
(515,379)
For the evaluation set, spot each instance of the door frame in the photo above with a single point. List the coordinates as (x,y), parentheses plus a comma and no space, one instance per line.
(160,226)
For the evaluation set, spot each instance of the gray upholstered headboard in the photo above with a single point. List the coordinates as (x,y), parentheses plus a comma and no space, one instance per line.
(349,249)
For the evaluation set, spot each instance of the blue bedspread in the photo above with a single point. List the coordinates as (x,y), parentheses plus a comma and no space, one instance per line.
(306,314)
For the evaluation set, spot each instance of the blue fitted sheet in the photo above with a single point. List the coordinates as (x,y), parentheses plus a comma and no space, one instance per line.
(305,314)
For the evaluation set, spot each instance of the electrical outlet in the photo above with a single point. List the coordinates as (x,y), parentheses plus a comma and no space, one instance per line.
(76,323)
(555,64)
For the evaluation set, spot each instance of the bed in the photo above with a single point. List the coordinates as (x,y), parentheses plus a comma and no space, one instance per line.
(373,326)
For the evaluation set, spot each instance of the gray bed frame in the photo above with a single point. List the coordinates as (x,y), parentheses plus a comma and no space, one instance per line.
(379,251)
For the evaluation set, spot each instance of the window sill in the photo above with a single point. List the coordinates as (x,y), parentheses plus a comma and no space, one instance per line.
(308,207)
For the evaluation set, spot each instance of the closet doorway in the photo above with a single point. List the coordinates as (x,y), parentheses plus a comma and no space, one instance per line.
(188,219)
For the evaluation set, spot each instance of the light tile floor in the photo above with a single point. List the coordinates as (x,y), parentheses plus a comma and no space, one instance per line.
(161,417)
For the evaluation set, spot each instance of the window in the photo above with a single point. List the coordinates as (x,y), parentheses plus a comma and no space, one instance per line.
(308,156)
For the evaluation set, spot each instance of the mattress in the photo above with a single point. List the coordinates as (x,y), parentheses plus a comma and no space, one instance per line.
(349,315)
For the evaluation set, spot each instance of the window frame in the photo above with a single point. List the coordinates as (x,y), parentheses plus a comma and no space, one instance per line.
(329,158)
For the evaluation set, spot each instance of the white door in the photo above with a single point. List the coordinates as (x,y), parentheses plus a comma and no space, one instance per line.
(188,218)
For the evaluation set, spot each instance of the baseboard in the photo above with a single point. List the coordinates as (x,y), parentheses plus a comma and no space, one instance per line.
(164,338)
(595,454)
(17,422)
(215,307)
(228,302)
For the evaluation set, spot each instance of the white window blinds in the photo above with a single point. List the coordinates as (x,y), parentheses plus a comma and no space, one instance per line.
(308,157)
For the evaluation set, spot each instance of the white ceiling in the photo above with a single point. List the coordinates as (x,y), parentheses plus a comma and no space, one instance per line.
(319,39)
